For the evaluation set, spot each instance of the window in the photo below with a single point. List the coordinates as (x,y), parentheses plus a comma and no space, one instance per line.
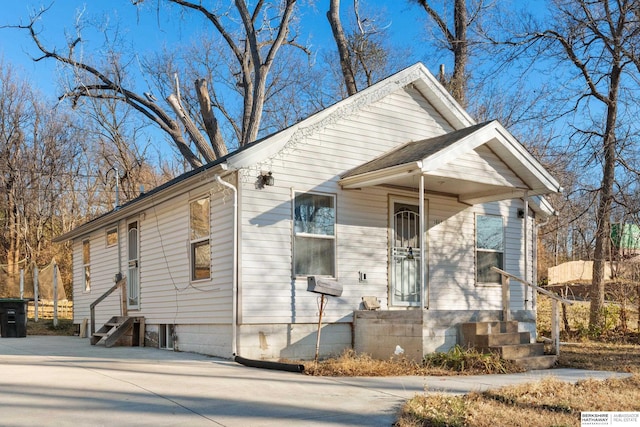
(199,226)
(489,248)
(86,261)
(166,336)
(314,234)
(112,236)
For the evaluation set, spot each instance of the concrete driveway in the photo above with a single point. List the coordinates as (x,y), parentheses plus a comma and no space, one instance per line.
(65,381)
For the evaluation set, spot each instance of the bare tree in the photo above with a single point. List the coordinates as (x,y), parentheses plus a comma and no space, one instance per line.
(117,154)
(37,156)
(455,40)
(598,40)
(252,36)
(364,55)
(333,15)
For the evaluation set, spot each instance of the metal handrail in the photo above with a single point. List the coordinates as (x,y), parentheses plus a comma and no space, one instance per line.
(555,312)
(544,291)
(122,283)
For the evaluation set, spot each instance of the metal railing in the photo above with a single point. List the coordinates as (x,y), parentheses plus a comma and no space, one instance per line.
(122,283)
(555,301)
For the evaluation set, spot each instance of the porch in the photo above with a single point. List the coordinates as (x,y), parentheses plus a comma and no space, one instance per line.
(419,332)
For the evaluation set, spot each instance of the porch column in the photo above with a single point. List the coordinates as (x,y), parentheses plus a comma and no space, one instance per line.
(424,297)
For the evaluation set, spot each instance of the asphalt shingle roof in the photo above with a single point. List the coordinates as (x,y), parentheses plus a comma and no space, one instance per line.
(413,151)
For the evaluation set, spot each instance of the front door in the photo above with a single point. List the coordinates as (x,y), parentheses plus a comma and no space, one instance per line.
(405,254)
(133,271)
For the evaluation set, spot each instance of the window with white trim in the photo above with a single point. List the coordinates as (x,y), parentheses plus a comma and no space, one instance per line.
(112,236)
(199,231)
(86,264)
(489,248)
(314,230)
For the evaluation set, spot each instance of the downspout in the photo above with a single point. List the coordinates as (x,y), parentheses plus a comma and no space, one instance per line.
(263,364)
(234,280)
(526,245)
(423,261)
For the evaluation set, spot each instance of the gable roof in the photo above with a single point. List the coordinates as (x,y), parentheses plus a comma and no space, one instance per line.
(417,75)
(413,151)
(427,157)
(258,151)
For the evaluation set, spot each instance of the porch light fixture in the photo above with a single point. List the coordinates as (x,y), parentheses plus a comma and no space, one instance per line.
(265,179)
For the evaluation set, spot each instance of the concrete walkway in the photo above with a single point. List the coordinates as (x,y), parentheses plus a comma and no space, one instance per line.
(64,381)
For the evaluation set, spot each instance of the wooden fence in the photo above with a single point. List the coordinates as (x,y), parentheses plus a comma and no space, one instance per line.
(45,309)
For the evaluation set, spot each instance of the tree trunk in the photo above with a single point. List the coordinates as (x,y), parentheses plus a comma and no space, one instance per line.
(343,50)
(603,214)
(209,119)
(204,149)
(459,45)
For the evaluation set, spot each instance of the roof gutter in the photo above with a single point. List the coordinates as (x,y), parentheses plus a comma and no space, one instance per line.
(149,199)
(377,177)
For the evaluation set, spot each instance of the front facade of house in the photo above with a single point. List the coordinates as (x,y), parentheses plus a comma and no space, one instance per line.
(217,260)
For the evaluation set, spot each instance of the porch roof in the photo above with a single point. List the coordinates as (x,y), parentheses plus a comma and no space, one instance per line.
(436,157)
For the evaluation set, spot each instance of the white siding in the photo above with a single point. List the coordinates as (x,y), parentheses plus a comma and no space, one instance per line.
(480,165)
(104,266)
(167,295)
(269,294)
(452,264)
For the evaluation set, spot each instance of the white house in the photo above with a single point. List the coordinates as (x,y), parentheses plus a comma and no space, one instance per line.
(395,193)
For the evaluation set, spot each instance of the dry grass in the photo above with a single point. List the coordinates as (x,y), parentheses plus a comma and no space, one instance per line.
(549,402)
(45,327)
(621,319)
(457,361)
(352,364)
(544,403)
(601,356)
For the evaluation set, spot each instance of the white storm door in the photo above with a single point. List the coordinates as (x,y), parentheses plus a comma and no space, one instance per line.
(133,271)
(405,254)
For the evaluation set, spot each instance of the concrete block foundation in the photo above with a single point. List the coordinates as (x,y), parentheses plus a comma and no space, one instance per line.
(382,334)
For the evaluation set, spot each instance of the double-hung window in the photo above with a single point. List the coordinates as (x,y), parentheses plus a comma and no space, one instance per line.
(86,264)
(489,248)
(199,232)
(314,234)
(112,236)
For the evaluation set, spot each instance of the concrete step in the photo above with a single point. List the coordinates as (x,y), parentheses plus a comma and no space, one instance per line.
(536,362)
(517,351)
(510,338)
(486,328)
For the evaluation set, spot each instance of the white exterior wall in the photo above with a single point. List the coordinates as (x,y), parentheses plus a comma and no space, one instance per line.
(103,268)
(270,300)
(270,295)
(167,294)
(315,164)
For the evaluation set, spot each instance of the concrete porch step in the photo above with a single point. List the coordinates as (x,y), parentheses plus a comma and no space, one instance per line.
(517,351)
(505,339)
(536,362)
(487,328)
(497,339)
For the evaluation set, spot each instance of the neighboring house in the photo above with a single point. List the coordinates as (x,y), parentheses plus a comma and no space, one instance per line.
(625,239)
(217,260)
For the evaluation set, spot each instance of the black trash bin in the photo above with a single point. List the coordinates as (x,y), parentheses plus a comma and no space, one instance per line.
(13,318)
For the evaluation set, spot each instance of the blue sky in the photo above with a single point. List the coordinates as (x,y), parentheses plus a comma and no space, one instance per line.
(153,27)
